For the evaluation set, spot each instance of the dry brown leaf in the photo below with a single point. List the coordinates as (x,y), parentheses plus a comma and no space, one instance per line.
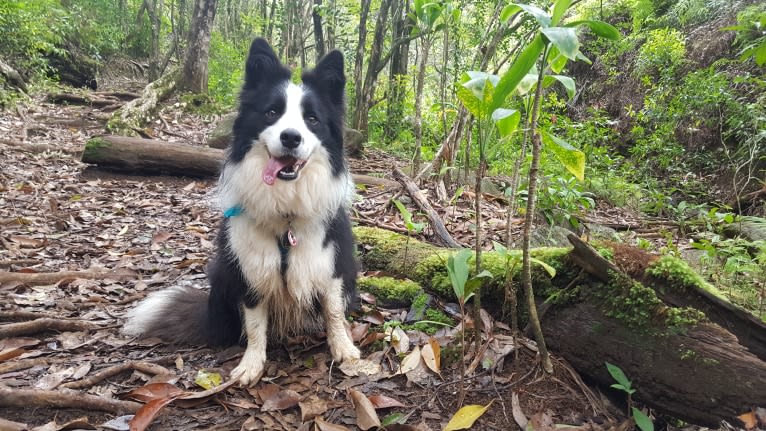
(748,420)
(262,393)
(359,331)
(542,421)
(384,402)
(410,362)
(52,380)
(322,425)
(312,407)
(160,237)
(518,414)
(356,367)
(366,417)
(375,317)
(154,391)
(146,414)
(431,353)
(283,399)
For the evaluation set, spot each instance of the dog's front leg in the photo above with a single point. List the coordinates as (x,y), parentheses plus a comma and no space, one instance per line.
(341,345)
(255,324)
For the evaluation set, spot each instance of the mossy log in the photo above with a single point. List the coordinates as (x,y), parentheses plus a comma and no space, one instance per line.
(132,116)
(681,362)
(154,157)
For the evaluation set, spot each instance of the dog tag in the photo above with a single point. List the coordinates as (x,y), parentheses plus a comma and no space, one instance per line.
(291,238)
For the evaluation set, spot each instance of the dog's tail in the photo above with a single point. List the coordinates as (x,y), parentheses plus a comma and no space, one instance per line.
(178,315)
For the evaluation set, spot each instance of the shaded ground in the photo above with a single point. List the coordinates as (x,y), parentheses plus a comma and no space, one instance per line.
(56,215)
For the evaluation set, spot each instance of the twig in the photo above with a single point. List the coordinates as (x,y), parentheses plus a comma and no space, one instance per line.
(368,221)
(9,367)
(43,325)
(20,262)
(143,366)
(24,315)
(34,398)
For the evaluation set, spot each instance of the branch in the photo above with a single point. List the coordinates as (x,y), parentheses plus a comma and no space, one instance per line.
(34,398)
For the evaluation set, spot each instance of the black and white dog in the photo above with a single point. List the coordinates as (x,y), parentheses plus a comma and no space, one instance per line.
(285,261)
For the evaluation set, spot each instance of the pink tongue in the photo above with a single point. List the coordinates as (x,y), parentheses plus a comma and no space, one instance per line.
(271,170)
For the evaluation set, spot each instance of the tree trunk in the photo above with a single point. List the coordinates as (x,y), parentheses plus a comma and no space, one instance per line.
(12,77)
(694,370)
(316,18)
(397,78)
(194,74)
(426,46)
(356,107)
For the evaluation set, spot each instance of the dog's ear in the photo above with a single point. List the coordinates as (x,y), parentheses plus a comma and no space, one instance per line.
(262,63)
(328,76)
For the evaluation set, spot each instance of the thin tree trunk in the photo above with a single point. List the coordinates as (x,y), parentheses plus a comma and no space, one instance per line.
(195,73)
(359,65)
(401,27)
(319,45)
(426,46)
(529,221)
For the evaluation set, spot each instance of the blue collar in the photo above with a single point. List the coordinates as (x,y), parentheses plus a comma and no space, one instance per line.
(233,211)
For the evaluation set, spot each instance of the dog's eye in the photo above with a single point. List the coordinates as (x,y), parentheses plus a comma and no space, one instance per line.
(312,120)
(271,114)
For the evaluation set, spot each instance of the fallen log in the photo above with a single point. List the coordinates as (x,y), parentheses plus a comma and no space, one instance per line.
(681,362)
(132,116)
(153,157)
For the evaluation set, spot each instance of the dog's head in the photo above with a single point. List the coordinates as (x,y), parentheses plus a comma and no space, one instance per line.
(292,122)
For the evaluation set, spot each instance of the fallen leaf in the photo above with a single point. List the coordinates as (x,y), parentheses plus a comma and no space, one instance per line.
(359,331)
(154,391)
(748,420)
(542,422)
(431,353)
(375,317)
(356,367)
(518,414)
(384,402)
(121,423)
(399,339)
(52,380)
(146,414)
(266,391)
(82,371)
(160,237)
(208,380)
(283,399)
(466,416)
(13,347)
(410,362)
(366,417)
(323,425)
(312,407)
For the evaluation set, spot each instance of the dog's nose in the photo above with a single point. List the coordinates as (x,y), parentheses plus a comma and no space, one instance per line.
(290,138)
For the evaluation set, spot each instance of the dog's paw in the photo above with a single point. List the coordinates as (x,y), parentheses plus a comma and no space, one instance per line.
(249,370)
(344,351)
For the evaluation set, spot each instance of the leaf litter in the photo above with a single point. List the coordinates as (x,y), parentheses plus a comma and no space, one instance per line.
(58,215)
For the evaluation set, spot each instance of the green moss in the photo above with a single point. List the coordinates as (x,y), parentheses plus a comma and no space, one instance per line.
(93,148)
(679,319)
(679,274)
(390,290)
(432,315)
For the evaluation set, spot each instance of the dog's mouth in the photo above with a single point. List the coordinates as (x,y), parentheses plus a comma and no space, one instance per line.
(285,168)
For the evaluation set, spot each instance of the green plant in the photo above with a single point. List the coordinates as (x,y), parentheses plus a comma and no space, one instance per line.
(412,227)
(661,54)
(623,384)
(751,34)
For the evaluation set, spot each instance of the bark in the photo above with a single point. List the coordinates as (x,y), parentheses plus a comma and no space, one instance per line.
(12,76)
(316,19)
(34,398)
(133,115)
(153,157)
(359,62)
(402,25)
(700,373)
(426,46)
(194,76)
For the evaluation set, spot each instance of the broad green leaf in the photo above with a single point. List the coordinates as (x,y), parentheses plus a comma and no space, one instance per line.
(643,421)
(569,156)
(567,82)
(517,72)
(618,375)
(538,14)
(529,81)
(457,267)
(475,282)
(506,120)
(760,54)
(509,11)
(556,60)
(466,416)
(470,101)
(599,28)
(551,270)
(500,249)
(565,39)
(559,9)
(481,86)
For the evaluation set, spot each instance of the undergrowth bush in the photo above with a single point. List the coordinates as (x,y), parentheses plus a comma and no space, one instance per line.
(661,54)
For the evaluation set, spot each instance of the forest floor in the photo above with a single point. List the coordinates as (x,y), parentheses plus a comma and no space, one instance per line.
(114,238)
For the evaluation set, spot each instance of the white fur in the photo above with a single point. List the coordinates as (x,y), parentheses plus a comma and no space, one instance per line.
(141,317)
(304,206)
(291,119)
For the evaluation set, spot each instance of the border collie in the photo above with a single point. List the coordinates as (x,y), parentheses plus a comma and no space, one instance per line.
(285,262)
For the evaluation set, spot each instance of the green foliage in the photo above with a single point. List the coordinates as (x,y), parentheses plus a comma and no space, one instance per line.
(225,69)
(643,422)
(563,201)
(412,227)
(751,34)
(29,30)
(661,54)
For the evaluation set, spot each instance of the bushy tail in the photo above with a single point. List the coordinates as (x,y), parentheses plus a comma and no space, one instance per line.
(178,315)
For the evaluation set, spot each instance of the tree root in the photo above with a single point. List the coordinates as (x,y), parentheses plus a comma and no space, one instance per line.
(143,366)
(34,398)
(43,325)
(44,278)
